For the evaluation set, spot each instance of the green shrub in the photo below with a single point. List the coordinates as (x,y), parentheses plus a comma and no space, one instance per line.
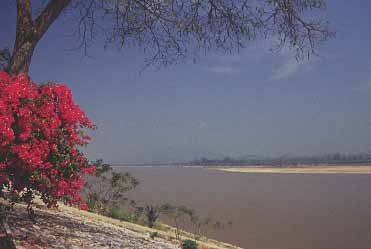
(152,213)
(106,189)
(91,201)
(189,244)
(153,235)
(121,214)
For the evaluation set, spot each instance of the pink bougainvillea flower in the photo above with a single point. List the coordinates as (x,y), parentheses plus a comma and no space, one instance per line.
(41,129)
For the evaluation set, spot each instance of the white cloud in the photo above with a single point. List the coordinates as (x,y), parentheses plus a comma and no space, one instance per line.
(286,70)
(291,66)
(363,85)
(221,69)
(201,124)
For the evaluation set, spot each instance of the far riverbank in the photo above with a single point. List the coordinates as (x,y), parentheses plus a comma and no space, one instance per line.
(303,169)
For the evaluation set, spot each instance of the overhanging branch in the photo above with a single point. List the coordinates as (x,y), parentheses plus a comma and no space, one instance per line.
(48,16)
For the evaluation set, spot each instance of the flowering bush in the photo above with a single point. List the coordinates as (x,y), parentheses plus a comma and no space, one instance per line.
(41,129)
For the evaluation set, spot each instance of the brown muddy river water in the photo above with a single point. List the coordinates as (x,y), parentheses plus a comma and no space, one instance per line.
(268,211)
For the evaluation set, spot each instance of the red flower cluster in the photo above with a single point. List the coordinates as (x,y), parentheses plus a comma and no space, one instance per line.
(40,132)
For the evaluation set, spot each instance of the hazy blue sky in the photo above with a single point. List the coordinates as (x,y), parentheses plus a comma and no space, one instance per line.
(254,102)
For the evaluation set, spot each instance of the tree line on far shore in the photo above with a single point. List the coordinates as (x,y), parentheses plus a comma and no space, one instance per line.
(332,158)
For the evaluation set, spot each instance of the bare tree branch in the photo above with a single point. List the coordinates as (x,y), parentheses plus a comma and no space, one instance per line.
(48,16)
(173,30)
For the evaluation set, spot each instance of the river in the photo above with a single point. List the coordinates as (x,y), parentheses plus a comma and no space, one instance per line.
(268,211)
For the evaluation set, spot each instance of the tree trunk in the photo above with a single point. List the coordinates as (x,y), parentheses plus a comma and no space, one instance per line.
(23,45)
(29,32)
(21,58)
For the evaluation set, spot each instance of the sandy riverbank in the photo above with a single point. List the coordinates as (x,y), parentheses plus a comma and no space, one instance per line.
(320,169)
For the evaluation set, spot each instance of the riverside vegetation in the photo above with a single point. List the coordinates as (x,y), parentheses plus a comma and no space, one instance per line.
(104,194)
